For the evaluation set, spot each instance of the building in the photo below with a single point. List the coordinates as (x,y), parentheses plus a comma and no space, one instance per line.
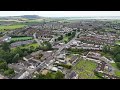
(73,59)
(54,69)
(25,74)
(93,55)
(73,75)
(61,56)
(44,72)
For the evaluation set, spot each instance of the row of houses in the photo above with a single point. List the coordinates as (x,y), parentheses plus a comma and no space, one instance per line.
(102,66)
(80,45)
(30,31)
(96,40)
(29,63)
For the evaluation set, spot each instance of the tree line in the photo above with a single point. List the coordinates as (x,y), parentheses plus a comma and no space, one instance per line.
(114,52)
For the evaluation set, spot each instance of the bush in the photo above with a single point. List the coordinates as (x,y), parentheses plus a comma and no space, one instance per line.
(3,65)
(99,74)
(9,72)
(117,58)
(60,38)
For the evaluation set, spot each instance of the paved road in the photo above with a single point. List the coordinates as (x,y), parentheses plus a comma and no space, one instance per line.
(61,48)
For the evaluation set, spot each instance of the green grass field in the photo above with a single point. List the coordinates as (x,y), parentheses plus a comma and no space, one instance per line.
(65,39)
(85,69)
(114,65)
(20,38)
(10,27)
(35,20)
(35,45)
(117,71)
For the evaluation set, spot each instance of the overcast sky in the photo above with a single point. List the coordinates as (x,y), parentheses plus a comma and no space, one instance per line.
(61,13)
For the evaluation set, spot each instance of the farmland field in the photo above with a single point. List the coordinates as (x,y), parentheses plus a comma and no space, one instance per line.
(10,27)
(20,38)
(85,69)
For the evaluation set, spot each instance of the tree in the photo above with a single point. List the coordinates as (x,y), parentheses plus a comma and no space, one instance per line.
(5,46)
(9,72)
(106,49)
(69,33)
(115,50)
(118,64)
(40,76)
(15,58)
(59,75)
(73,33)
(3,65)
(47,45)
(117,58)
(65,41)
(50,75)
(60,38)
(31,48)
(17,51)
(25,53)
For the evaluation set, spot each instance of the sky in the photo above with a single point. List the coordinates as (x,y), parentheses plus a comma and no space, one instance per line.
(61,13)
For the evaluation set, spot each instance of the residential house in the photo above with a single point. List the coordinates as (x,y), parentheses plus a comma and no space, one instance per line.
(73,75)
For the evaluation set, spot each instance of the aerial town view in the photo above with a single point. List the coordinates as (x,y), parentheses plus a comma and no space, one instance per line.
(59,45)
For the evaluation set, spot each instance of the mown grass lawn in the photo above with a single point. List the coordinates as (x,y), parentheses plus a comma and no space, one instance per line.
(65,38)
(10,27)
(35,45)
(85,69)
(114,65)
(20,38)
(117,73)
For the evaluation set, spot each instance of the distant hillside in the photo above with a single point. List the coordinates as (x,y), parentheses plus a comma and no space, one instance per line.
(31,16)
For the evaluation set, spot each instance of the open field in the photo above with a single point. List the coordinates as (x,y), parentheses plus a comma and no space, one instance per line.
(65,39)
(85,69)
(20,38)
(10,27)
(114,65)
(36,20)
(35,45)
(117,71)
